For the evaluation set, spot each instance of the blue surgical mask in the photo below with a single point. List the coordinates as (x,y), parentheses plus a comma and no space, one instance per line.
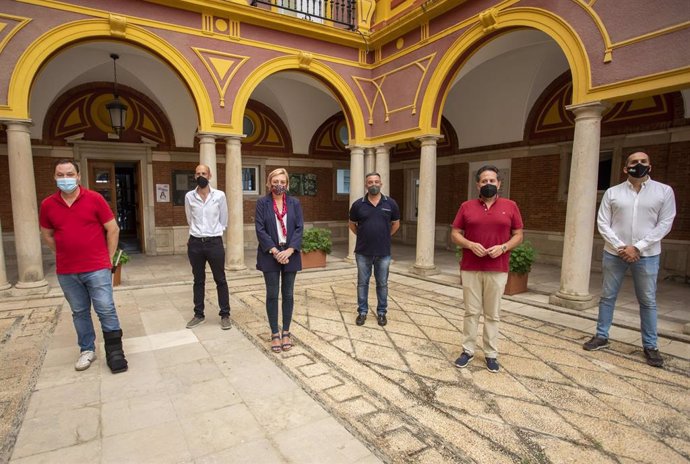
(67,184)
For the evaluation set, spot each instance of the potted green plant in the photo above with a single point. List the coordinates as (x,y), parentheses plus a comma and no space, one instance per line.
(121,258)
(316,244)
(521,259)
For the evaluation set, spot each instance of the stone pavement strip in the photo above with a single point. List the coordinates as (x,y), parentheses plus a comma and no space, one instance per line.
(344,393)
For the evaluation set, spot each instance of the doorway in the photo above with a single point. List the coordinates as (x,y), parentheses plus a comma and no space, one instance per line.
(128,211)
(118,184)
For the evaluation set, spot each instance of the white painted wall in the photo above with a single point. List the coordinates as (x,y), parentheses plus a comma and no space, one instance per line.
(494,92)
(301,101)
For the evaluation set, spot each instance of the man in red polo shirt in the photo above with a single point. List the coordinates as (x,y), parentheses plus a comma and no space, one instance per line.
(78,225)
(487,228)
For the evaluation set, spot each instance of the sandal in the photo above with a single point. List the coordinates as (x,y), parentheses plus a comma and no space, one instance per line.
(275,348)
(286,346)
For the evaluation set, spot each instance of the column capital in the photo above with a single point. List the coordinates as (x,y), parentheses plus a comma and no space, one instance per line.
(215,135)
(430,139)
(588,110)
(23,124)
(233,141)
(384,146)
(356,150)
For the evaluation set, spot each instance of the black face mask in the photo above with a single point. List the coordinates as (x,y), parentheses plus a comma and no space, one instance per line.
(638,171)
(488,190)
(202,182)
(374,190)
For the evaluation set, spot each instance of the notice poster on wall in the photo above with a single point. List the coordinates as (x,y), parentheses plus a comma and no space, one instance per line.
(163,193)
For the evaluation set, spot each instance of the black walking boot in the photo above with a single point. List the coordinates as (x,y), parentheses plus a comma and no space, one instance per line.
(113,351)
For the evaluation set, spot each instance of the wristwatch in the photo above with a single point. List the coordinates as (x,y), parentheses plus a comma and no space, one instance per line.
(504,248)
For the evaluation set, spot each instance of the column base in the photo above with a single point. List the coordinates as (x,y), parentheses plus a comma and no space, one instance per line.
(235,267)
(579,302)
(5,286)
(424,270)
(686,328)
(350,259)
(31,288)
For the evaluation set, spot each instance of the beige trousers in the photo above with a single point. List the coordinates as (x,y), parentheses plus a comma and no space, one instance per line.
(482,292)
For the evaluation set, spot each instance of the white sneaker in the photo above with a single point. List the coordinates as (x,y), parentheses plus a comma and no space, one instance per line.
(85,360)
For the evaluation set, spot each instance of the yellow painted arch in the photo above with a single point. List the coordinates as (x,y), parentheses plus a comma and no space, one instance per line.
(47,44)
(345,95)
(534,18)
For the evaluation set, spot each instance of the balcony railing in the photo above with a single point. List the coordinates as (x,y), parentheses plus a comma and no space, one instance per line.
(339,12)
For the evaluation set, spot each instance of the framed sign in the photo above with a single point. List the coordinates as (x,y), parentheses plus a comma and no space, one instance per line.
(163,193)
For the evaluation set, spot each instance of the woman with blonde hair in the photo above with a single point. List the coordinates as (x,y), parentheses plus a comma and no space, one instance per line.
(279,227)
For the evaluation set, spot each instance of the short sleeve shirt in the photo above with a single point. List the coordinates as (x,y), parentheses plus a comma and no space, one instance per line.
(374,225)
(490,227)
(80,238)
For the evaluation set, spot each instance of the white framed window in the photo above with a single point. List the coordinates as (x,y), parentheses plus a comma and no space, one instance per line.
(250,180)
(342,182)
(311,10)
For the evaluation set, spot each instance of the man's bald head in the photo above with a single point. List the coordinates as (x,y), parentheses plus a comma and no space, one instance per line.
(202,171)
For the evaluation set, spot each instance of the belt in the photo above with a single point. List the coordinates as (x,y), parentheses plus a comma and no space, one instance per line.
(203,239)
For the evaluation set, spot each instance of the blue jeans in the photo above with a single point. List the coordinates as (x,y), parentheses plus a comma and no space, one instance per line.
(287,289)
(80,291)
(380,265)
(644,273)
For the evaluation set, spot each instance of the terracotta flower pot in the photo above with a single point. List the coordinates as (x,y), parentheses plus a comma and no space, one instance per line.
(316,258)
(517,283)
(117,276)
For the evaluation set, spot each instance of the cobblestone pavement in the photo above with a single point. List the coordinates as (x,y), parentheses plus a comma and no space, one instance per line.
(25,327)
(394,388)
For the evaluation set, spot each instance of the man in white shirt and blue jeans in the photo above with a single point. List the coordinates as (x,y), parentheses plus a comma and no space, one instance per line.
(633,218)
(207,215)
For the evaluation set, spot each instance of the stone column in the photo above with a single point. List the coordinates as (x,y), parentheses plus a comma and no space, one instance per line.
(4,283)
(383,167)
(27,236)
(207,155)
(356,190)
(234,255)
(426,218)
(369,160)
(581,211)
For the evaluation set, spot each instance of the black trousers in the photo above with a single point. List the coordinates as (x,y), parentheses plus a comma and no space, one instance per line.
(208,250)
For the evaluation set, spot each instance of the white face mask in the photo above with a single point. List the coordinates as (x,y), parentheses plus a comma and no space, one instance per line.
(67,184)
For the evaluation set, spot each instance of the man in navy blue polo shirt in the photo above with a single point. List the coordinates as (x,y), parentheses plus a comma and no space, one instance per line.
(374,218)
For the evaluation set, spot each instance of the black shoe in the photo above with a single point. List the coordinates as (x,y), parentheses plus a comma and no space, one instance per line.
(654,358)
(596,343)
(361,319)
(382,319)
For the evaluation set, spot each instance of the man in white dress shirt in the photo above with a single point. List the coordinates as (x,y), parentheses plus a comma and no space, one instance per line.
(207,216)
(633,218)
